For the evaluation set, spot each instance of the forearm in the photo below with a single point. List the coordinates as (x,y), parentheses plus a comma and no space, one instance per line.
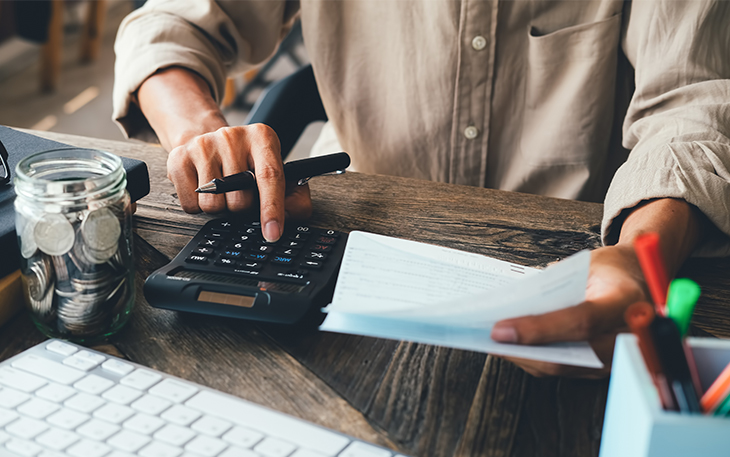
(178,106)
(679,225)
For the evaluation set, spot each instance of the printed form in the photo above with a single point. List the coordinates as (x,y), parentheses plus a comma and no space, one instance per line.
(405,290)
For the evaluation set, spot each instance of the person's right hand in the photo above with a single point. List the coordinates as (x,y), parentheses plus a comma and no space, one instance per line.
(231,150)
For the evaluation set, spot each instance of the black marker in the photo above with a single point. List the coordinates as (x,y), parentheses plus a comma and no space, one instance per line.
(299,171)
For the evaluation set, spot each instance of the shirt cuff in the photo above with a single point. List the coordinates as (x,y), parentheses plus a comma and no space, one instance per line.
(691,171)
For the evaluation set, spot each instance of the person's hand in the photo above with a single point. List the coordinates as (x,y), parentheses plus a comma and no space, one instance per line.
(231,150)
(615,281)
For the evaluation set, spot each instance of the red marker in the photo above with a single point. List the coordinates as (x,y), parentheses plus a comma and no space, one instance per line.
(650,258)
(638,316)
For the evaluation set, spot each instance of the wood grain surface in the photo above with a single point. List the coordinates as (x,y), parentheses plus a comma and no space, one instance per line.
(418,399)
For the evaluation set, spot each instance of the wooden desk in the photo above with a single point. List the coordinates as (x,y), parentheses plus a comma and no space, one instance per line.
(418,399)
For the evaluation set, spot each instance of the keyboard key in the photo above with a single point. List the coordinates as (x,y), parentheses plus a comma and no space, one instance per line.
(80,363)
(206,446)
(150,404)
(10,398)
(97,430)
(144,424)
(54,392)
(199,259)
(141,379)
(160,450)
(173,390)
(84,403)
(57,439)
(4,437)
(87,448)
(94,357)
(37,408)
(7,416)
(360,449)
(93,384)
(116,414)
(117,367)
(26,428)
(23,448)
(238,452)
(59,347)
(272,447)
(174,434)
(180,415)
(306,453)
(211,426)
(67,419)
(269,422)
(128,441)
(16,379)
(123,395)
(243,437)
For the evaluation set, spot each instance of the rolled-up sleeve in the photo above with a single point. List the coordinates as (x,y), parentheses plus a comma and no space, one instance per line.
(213,39)
(678,123)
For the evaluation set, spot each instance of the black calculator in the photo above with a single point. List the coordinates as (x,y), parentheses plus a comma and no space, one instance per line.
(229,269)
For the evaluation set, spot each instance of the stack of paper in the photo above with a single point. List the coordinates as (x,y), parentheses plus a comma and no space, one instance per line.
(399,289)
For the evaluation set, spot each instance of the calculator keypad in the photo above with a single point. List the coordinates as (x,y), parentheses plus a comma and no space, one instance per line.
(236,247)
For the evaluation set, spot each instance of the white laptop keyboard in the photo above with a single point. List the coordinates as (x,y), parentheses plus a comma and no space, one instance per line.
(59,399)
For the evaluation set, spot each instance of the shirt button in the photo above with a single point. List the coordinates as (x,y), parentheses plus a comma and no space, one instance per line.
(471,132)
(479,42)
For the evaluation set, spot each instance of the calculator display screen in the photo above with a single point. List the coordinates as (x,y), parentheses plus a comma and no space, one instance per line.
(226,299)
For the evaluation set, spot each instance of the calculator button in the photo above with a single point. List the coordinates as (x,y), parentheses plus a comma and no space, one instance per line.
(209,244)
(326,240)
(197,259)
(256,256)
(232,254)
(321,248)
(225,262)
(251,231)
(312,264)
(250,265)
(253,224)
(203,251)
(299,236)
(246,272)
(293,244)
(239,246)
(282,260)
(316,256)
(214,236)
(223,226)
(289,252)
(263,249)
(331,233)
(302,229)
(243,238)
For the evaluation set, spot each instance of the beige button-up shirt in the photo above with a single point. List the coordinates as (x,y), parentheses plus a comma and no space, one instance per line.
(527,96)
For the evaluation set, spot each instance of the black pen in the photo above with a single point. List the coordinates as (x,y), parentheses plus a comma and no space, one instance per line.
(299,171)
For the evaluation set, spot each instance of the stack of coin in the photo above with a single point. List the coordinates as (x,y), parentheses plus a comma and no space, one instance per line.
(77,268)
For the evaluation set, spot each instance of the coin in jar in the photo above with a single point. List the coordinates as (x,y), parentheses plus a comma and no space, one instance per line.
(28,247)
(53,234)
(101,230)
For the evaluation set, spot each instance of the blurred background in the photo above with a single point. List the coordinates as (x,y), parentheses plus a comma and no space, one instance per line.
(57,69)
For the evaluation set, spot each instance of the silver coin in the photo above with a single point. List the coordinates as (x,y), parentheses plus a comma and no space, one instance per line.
(53,234)
(38,279)
(101,230)
(28,247)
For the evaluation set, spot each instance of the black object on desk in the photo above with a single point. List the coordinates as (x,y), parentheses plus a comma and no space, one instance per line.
(229,270)
(20,145)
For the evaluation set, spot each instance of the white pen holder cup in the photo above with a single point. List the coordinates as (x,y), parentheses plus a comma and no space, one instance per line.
(636,425)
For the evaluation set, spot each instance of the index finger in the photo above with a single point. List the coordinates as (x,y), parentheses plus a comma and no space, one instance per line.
(270,180)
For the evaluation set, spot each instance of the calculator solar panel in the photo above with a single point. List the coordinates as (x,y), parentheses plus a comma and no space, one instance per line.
(228,269)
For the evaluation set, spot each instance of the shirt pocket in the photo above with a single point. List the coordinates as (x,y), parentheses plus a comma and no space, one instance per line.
(569,93)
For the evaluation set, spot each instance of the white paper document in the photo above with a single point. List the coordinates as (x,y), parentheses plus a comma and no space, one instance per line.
(399,289)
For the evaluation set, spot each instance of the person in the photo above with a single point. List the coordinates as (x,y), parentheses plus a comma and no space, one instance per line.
(521,96)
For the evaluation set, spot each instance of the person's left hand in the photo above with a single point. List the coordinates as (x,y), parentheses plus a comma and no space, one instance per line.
(615,281)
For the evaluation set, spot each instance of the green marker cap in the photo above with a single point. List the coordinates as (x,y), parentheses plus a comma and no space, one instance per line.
(681,301)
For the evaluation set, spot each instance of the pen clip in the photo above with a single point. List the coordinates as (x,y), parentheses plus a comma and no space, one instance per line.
(303,181)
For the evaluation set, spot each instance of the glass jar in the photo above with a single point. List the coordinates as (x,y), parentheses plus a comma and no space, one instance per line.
(74,224)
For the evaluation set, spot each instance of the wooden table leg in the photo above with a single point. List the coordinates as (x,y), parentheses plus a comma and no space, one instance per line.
(93,28)
(51,50)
